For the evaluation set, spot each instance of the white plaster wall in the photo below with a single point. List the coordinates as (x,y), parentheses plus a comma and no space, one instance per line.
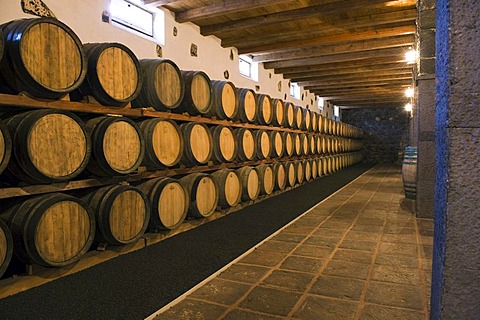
(84,18)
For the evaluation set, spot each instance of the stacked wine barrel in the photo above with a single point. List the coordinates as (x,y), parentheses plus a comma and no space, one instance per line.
(236,145)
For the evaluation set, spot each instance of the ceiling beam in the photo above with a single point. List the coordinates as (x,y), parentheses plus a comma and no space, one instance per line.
(335,86)
(394,53)
(258,36)
(347,83)
(323,50)
(223,8)
(334,38)
(365,62)
(332,72)
(361,90)
(355,76)
(285,16)
(157,3)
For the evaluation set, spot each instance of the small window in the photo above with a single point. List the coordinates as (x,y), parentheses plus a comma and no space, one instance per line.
(336,111)
(320,103)
(247,67)
(295,90)
(132,16)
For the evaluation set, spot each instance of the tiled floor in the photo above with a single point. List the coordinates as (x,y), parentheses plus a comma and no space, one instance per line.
(360,254)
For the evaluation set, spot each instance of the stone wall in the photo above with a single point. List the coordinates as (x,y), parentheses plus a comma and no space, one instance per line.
(386,132)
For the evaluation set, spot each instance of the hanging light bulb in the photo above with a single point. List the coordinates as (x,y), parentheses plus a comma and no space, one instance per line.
(408,107)
(411,56)
(409,92)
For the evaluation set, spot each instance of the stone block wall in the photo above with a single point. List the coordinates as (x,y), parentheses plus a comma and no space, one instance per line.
(386,132)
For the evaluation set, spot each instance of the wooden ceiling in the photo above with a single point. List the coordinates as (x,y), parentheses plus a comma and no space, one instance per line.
(351,52)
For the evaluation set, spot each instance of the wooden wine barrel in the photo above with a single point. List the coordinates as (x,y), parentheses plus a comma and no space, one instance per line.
(267,178)
(265,109)
(122,213)
(225,145)
(280,175)
(328,143)
(169,203)
(246,144)
(305,144)
(250,182)
(262,144)
(5,146)
(203,192)
(291,173)
(289,115)
(321,124)
(229,187)
(6,247)
(334,127)
(299,116)
(314,166)
(297,142)
(299,171)
(163,87)
(307,116)
(247,105)
(277,144)
(163,143)
(329,164)
(318,144)
(51,230)
(198,144)
(224,100)
(324,144)
(325,168)
(320,167)
(118,146)
(409,172)
(278,113)
(314,120)
(49,146)
(43,58)
(113,74)
(198,93)
(312,144)
(289,143)
(307,169)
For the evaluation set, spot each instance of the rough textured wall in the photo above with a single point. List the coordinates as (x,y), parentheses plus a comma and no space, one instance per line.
(456,261)
(386,132)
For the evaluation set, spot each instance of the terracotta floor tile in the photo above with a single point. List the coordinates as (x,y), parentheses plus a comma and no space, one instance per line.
(320,241)
(359,245)
(398,249)
(221,291)
(315,307)
(277,246)
(192,309)
(271,301)
(263,258)
(244,273)
(396,260)
(347,269)
(396,274)
(338,287)
(312,251)
(376,312)
(389,294)
(353,255)
(303,264)
(289,237)
(290,280)
(248,315)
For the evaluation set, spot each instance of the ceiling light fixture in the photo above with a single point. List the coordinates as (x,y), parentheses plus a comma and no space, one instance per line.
(408,107)
(411,56)
(409,92)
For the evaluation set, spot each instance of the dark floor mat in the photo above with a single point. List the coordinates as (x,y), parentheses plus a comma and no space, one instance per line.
(135,285)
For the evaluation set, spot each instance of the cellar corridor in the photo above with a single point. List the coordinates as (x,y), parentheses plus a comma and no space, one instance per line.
(359,254)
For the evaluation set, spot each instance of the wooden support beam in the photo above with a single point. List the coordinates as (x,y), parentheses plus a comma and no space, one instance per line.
(326,94)
(394,53)
(334,38)
(349,47)
(373,83)
(223,8)
(356,76)
(158,3)
(298,14)
(367,61)
(344,71)
(258,36)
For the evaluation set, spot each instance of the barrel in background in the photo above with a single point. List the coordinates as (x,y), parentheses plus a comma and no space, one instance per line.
(289,115)
(225,145)
(250,182)
(51,230)
(409,172)
(198,93)
(229,187)
(163,87)
(265,109)
(113,74)
(224,100)
(278,112)
(247,105)
(262,144)
(122,213)
(277,144)
(246,144)
(198,143)
(49,146)
(5,146)
(280,175)
(163,143)
(169,203)
(6,247)
(266,178)
(203,194)
(118,146)
(58,70)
